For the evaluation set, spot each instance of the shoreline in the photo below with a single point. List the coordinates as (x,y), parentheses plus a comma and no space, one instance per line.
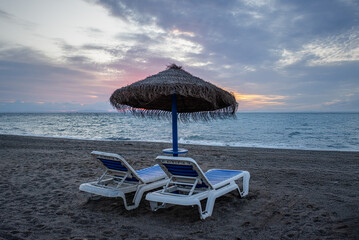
(293,194)
(185,144)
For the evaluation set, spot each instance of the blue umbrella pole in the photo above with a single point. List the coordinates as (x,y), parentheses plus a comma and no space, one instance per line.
(174,150)
(174,126)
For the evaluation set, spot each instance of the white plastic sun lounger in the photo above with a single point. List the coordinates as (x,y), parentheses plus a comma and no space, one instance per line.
(188,184)
(120,178)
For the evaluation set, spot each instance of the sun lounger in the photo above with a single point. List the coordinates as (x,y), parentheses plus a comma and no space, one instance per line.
(120,178)
(188,184)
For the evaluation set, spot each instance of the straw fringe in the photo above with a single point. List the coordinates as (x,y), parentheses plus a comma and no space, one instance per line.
(183,117)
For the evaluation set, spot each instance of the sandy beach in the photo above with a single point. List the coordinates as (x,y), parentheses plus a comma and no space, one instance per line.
(294,194)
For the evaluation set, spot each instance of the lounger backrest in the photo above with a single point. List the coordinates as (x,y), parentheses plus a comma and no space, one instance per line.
(183,167)
(116,164)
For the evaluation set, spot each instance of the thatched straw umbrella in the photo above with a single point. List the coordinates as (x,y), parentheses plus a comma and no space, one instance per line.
(175,92)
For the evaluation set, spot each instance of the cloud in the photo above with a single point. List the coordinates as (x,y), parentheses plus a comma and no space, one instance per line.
(18,53)
(330,50)
(12,19)
(348,102)
(248,32)
(23,106)
(88,55)
(5,15)
(35,77)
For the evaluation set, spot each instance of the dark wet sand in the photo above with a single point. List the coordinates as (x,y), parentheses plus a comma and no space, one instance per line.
(293,194)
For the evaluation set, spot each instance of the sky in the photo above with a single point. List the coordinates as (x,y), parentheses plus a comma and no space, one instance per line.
(274,55)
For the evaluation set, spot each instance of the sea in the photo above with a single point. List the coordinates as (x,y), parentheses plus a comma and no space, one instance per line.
(308,131)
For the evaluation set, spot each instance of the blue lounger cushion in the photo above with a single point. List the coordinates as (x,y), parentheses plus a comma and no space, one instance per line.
(152,173)
(219,175)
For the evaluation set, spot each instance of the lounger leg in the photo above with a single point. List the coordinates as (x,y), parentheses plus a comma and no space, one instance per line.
(209,208)
(155,206)
(202,214)
(129,207)
(210,202)
(246,177)
(141,190)
(213,196)
(122,195)
(136,199)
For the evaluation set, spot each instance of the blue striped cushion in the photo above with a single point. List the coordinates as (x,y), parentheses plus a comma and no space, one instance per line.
(182,170)
(114,165)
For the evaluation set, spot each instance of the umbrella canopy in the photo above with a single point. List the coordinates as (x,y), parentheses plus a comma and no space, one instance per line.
(175,92)
(196,98)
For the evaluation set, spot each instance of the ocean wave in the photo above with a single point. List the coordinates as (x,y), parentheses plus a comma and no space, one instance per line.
(293,134)
(118,139)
